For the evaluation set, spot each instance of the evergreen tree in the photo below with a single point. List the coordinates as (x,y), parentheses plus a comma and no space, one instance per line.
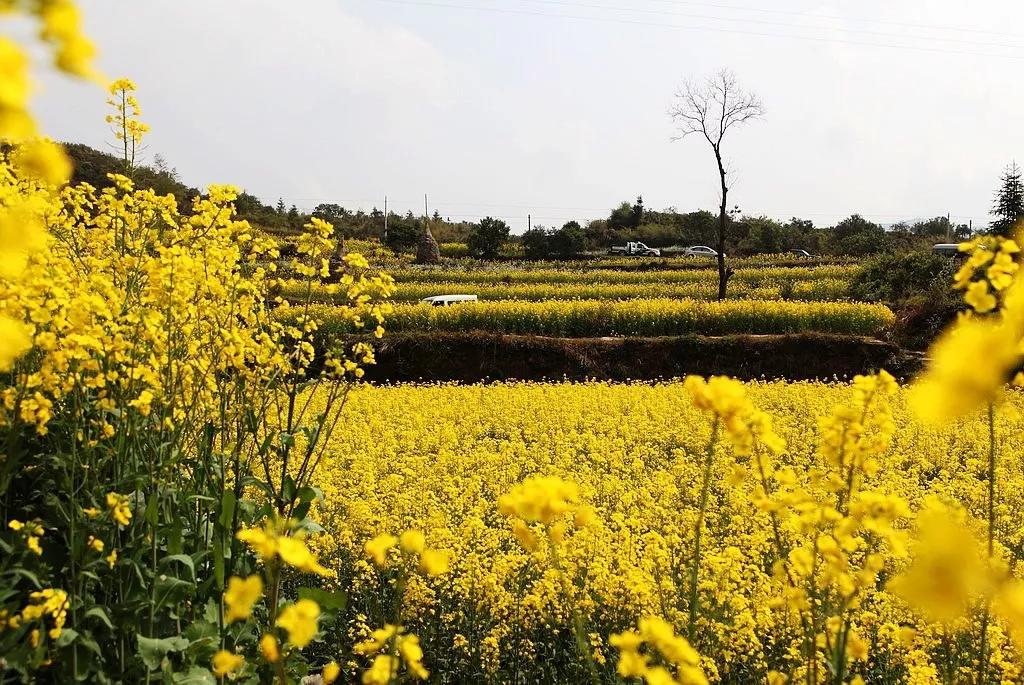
(487,237)
(280,206)
(638,212)
(1009,206)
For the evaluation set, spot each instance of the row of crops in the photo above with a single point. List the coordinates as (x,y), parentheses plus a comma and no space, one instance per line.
(551,299)
(763,276)
(805,290)
(644,317)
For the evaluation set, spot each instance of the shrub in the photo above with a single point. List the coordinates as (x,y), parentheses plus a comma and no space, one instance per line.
(894,278)
(536,243)
(487,238)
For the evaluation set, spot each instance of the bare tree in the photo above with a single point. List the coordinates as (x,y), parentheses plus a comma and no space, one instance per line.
(711,109)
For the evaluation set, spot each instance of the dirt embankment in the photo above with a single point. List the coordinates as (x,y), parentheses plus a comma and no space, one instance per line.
(473,357)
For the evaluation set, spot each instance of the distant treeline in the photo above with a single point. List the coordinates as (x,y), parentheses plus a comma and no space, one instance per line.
(854,235)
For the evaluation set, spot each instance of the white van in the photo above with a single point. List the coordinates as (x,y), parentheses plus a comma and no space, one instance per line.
(448,300)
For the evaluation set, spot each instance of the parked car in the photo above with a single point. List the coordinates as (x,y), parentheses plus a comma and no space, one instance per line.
(947,249)
(700,251)
(448,300)
(635,248)
(800,253)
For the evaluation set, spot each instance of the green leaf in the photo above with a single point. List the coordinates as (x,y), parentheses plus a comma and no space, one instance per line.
(202,630)
(288,489)
(153,650)
(101,614)
(67,636)
(218,561)
(184,559)
(257,483)
(175,543)
(308,494)
(197,675)
(87,652)
(336,601)
(301,511)
(27,574)
(227,508)
(252,421)
(151,506)
(211,612)
(85,641)
(170,590)
(267,441)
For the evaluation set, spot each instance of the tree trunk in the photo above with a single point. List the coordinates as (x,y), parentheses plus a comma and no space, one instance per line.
(723,278)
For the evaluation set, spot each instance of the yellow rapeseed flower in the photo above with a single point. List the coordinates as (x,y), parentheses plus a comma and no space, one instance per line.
(269,648)
(300,621)
(541,499)
(225,663)
(381,671)
(241,595)
(330,672)
(119,509)
(435,562)
(296,554)
(378,547)
(412,541)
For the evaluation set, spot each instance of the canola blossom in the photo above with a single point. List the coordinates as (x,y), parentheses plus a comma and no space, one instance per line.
(586,318)
(806,516)
(800,289)
(185,500)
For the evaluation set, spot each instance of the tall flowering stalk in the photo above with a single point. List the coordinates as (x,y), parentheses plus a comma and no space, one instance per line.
(158,381)
(744,428)
(548,501)
(972,363)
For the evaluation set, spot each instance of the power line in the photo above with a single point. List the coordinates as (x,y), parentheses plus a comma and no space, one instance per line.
(841,17)
(634,22)
(766,22)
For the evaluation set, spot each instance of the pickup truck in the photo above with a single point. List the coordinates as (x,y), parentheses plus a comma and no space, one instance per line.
(635,248)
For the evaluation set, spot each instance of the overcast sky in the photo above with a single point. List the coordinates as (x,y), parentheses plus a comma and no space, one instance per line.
(557,108)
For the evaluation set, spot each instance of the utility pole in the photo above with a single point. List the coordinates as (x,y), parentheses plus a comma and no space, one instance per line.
(385,240)
(529,222)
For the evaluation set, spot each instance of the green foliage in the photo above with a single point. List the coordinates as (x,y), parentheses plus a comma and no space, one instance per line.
(627,216)
(1009,205)
(535,243)
(488,237)
(403,233)
(762,235)
(92,167)
(857,236)
(898,277)
(567,241)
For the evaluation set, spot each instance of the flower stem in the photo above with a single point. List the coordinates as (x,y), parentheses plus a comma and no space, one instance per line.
(983,657)
(698,529)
